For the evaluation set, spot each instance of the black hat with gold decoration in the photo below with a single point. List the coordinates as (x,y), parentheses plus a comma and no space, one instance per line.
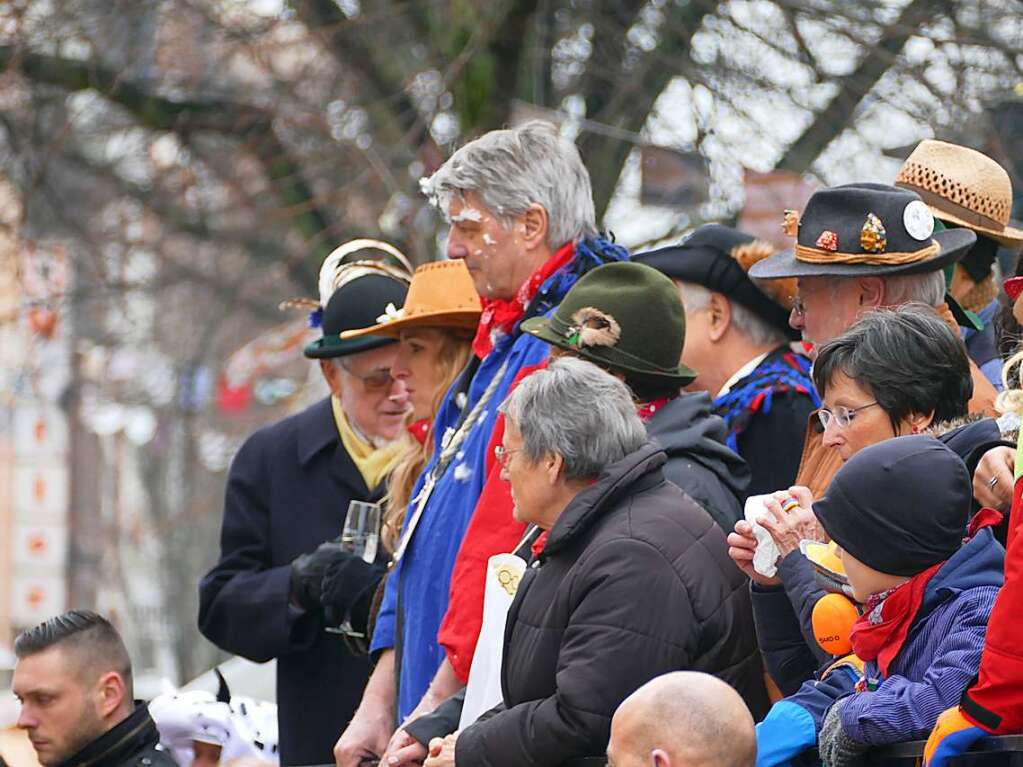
(864,230)
(360,282)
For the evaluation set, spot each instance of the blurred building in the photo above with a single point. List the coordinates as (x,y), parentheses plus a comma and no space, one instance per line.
(34,479)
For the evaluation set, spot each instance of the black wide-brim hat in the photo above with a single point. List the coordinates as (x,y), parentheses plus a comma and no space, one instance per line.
(622,316)
(706,258)
(358,303)
(864,230)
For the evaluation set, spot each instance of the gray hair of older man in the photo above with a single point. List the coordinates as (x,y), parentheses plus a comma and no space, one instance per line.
(518,167)
(578,411)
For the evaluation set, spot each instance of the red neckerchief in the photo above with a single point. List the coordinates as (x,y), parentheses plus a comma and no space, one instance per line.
(881,631)
(647,409)
(539,543)
(420,430)
(499,316)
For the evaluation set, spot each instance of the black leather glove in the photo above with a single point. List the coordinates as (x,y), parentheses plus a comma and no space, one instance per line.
(307,573)
(347,592)
(835,746)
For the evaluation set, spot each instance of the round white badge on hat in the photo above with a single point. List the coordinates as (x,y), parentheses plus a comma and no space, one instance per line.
(918,220)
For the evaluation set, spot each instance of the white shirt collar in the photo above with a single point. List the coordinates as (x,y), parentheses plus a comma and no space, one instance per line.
(741,373)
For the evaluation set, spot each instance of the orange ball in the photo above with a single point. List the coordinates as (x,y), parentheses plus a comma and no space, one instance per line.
(833,619)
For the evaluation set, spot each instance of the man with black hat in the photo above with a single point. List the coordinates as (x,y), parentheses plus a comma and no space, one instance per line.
(288,490)
(860,247)
(737,338)
(897,511)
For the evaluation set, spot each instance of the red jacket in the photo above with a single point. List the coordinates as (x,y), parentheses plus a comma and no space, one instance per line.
(995,702)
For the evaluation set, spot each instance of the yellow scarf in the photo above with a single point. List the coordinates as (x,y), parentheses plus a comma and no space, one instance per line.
(373,463)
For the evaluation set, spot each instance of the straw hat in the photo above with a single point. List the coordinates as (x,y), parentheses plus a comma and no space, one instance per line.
(441,295)
(964,187)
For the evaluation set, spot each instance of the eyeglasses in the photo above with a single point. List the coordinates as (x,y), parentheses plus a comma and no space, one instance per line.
(843,415)
(502,454)
(378,380)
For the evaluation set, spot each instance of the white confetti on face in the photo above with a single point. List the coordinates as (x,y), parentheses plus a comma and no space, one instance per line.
(467,214)
(488,240)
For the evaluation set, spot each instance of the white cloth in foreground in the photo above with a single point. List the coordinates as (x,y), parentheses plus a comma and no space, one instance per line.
(242,728)
(765,558)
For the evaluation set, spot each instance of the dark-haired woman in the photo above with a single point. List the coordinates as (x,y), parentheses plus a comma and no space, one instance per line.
(895,372)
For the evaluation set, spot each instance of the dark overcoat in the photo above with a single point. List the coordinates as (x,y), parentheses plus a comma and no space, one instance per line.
(288,491)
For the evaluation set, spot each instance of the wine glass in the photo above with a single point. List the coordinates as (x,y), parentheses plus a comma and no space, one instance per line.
(361,536)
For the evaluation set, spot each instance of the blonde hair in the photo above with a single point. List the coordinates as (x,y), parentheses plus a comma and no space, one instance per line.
(1011,400)
(450,361)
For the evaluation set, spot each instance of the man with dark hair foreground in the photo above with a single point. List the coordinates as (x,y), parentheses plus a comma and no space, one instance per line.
(683,718)
(74,682)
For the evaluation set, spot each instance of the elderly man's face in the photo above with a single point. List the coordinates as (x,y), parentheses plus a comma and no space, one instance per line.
(377,403)
(494,253)
(59,711)
(825,308)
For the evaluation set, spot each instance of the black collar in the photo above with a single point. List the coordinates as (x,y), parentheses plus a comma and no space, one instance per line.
(135,734)
(317,430)
(636,472)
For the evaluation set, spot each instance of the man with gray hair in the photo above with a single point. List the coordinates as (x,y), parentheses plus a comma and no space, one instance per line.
(737,339)
(861,247)
(521,215)
(683,719)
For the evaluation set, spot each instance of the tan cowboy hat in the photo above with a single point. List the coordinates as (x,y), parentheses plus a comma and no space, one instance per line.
(441,295)
(964,187)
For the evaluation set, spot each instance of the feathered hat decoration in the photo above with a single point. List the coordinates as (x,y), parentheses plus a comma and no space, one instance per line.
(337,270)
(746,255)
(592,327)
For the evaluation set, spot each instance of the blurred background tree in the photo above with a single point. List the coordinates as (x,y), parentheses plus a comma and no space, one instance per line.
(196,160)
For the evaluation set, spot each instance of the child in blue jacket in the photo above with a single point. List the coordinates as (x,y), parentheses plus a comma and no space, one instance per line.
(898,511)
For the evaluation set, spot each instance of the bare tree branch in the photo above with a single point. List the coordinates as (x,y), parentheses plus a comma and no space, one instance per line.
(184,117)
(853,88)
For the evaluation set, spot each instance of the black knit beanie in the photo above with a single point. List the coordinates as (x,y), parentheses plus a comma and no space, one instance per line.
(899,506)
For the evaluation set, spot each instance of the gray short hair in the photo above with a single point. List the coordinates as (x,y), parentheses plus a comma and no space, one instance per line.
(575,410)
(927,288)
(515,168)
(758,330)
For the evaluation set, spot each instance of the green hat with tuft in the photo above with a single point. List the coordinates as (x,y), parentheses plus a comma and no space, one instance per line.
(625,317)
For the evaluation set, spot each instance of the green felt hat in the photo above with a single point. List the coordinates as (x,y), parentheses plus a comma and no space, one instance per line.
(623,316)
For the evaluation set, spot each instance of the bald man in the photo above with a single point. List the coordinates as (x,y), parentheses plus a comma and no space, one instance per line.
(683,719)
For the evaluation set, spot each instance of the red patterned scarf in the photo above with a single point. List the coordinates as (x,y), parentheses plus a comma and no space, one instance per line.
(646,410)
(881,631)
(500,316)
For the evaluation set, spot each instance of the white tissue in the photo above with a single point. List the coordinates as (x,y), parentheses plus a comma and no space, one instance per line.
(766,556)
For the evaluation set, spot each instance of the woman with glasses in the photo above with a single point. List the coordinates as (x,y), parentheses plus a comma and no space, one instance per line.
(632,580)
(894,372)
